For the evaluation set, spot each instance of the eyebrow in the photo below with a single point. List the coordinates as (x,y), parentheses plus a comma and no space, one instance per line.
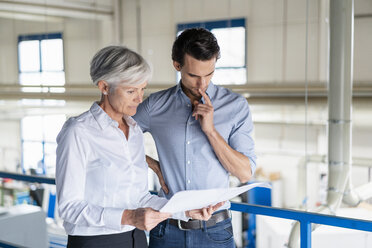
(133,88)
(193,75)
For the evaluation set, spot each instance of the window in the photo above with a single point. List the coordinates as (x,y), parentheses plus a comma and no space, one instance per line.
(231,36)
(41,59)
(39,143)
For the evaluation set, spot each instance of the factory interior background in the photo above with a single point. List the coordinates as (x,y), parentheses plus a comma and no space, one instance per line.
(276,53)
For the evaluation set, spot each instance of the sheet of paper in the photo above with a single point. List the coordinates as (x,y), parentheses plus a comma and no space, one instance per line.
(195,199)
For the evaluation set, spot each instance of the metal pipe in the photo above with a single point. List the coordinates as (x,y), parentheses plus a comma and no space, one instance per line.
(339,99)
(339,108)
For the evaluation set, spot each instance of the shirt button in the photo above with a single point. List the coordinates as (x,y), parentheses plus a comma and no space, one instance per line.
(188,105)
(188,162)
(188,142)
(188,181)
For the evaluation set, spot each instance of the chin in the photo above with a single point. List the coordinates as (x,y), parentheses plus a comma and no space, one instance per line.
(131,113)
(195,93)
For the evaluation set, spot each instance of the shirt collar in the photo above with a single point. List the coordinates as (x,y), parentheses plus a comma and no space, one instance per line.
(211,90)
(130,121)
(104,120)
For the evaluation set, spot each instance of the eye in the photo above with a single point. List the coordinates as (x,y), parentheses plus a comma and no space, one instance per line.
(130,91)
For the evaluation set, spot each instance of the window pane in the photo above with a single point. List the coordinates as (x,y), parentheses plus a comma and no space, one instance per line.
(29,59)
(52,55)
(232,45)
(52,126)
(230,76)
(50,158)
(30,102)
(32,156)
(53,78)
(30,78)
(32,128)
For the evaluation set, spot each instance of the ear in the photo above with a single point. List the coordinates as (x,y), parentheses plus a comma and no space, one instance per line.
(103,87)
(177,65)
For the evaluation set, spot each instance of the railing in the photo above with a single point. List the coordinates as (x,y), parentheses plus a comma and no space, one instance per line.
(305,218)
(4,244)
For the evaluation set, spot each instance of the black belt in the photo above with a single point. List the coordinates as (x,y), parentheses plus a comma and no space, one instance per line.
(197,224)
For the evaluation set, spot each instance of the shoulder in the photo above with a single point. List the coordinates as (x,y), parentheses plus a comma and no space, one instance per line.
(74,126)
(228,97)
(162,94)
(161,98)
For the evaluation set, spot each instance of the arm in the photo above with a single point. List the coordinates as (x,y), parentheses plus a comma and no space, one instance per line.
(70,183)
(233,161)
(155,166)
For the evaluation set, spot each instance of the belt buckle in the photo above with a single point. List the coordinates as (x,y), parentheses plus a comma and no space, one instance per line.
(180,225)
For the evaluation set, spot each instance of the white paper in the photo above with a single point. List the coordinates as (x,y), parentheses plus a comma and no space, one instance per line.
(195,199)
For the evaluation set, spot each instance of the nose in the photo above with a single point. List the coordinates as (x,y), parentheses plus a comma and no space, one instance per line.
(139,98)
(202,82)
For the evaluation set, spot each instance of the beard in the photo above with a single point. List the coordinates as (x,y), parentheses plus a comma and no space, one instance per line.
(195,93)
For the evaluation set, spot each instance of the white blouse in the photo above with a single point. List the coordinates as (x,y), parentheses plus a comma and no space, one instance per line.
(99,174)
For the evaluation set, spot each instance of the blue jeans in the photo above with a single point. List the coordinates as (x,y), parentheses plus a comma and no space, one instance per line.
(165,235)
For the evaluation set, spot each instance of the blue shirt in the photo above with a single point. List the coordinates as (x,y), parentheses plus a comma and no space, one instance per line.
(187,159)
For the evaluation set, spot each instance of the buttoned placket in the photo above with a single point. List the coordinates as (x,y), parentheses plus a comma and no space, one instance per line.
(128,157)
(188,148)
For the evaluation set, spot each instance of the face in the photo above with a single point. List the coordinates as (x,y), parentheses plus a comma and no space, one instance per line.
(124,100)
(195,75)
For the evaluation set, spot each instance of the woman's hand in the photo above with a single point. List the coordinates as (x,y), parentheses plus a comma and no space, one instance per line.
(143,218)
(203,213)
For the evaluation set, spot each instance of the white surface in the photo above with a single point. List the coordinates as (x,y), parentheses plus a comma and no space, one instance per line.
(3,210)
(24,225)
(181,201)
(274,232)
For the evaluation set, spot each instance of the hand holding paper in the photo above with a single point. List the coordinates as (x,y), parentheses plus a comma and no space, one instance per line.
(196,199)
(203,213)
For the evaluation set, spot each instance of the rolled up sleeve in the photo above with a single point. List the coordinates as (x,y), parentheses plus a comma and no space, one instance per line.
(241,136)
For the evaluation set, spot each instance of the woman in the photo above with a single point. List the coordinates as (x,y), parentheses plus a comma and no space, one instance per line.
(101,173)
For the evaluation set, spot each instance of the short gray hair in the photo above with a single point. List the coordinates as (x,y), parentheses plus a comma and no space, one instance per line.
(119,65)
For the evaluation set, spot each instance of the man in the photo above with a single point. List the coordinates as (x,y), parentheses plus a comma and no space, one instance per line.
(202,133)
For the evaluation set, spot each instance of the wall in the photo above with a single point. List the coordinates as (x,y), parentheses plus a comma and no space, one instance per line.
(276,32)
(10,145)
(276,37)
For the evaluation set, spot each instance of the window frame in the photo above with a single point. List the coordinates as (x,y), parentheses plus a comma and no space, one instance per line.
(39,37)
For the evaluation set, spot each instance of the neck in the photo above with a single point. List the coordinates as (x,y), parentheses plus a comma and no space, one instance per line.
(106,106)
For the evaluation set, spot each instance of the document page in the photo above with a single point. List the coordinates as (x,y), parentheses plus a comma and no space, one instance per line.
(195,199)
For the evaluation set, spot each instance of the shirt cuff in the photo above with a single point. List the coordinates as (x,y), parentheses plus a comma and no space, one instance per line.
(112,218)
(253,166)
(180,216)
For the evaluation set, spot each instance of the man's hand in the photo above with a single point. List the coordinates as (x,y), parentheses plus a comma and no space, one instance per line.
(143,218)
(204,113)
(155,166)
(203,213)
